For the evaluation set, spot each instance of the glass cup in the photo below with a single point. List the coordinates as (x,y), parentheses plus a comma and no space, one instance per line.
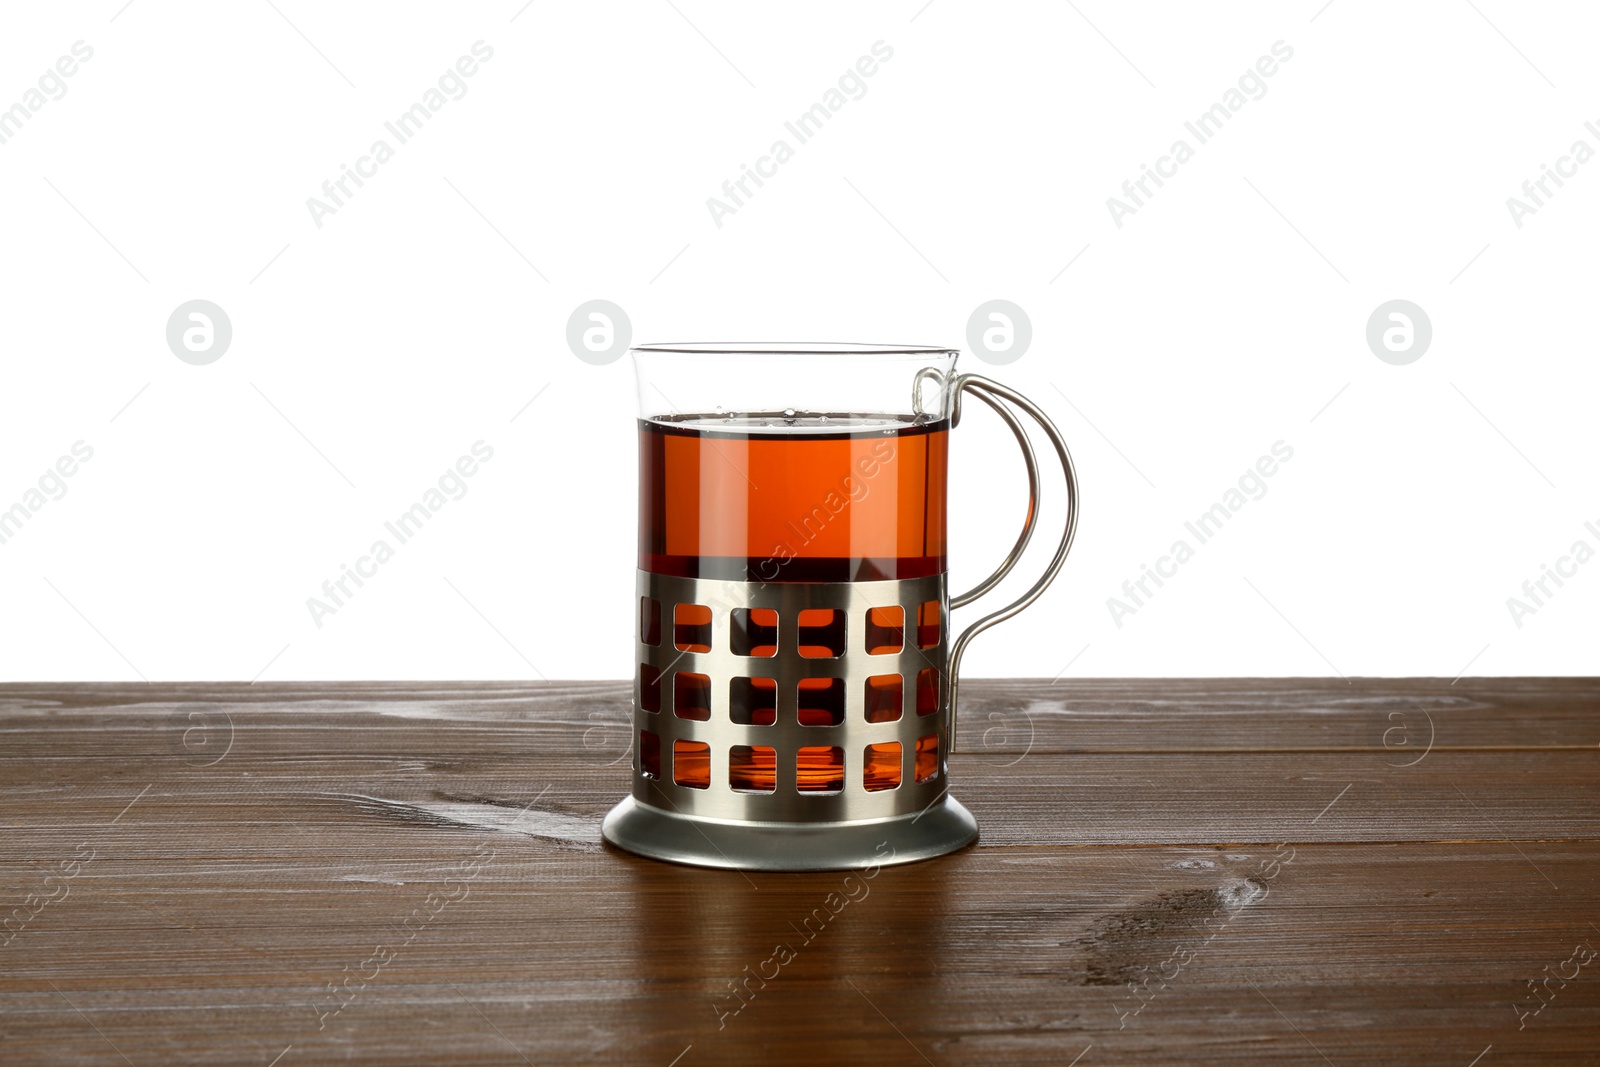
(796,684)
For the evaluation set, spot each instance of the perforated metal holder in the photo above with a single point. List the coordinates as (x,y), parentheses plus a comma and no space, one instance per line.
(687,803)
(739,683)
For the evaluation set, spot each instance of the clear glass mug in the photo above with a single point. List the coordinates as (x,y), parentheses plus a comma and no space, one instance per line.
(796,679)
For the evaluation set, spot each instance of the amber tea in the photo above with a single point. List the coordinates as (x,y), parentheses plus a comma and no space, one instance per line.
(790,498)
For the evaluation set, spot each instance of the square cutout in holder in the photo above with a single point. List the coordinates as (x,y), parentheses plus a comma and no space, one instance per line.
(885,697)
(927,691)
(819,769)
(928,624)
(650,620)
(886,630)
(691,696)
(754,632)
(821,701)
(753,701)
(691,628)
(880,769)
(649,688)
(927,757)
(691,764)
(752,769)
(649,754)
(821,633)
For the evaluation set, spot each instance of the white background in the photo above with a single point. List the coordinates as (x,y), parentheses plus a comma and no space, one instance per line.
(1227,314)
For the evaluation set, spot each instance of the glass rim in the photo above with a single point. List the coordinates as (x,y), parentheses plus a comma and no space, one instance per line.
(791,348)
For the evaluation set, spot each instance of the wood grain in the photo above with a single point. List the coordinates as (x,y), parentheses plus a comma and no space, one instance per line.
(1196,871)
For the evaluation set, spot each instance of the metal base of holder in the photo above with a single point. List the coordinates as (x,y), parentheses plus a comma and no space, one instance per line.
(772,846)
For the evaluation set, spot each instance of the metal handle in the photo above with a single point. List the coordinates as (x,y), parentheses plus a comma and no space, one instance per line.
(991,393)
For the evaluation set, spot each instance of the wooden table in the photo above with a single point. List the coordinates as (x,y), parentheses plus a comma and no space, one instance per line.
(1198,872)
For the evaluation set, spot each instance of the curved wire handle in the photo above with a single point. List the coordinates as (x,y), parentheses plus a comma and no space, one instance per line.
(992,393)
